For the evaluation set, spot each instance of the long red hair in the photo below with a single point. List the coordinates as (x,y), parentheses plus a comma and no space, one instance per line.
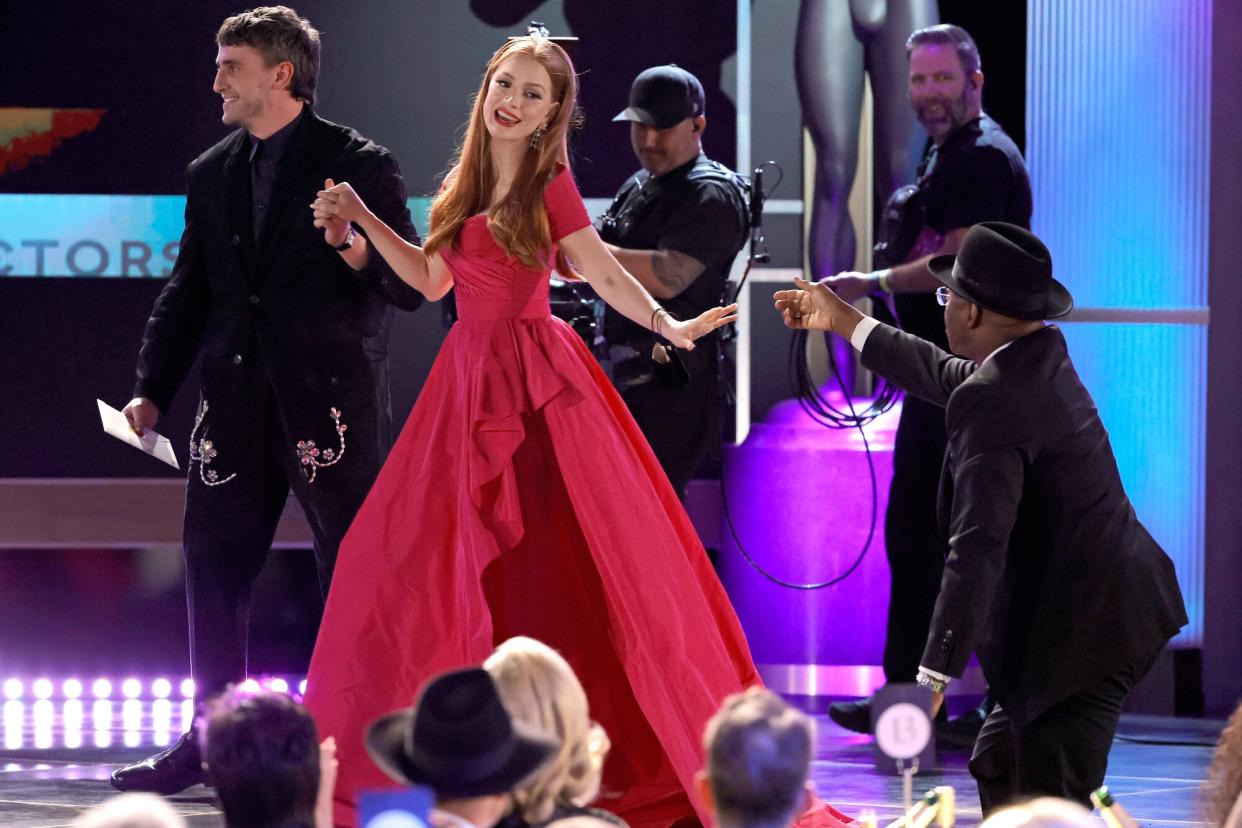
(519,223)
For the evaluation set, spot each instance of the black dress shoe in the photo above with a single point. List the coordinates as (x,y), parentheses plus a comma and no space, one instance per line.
(165,773)
(852,715)
(856,715)
(961,733)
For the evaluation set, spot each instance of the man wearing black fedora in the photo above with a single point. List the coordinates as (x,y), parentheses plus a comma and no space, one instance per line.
(1050,575)
(459,741)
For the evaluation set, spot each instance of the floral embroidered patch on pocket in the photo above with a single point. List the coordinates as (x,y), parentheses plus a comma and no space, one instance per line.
(204,451)
(312,458)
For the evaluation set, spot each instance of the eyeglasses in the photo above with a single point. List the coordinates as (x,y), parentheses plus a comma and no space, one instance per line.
(942,296)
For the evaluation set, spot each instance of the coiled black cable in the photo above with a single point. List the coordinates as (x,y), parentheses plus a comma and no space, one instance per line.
(822,411)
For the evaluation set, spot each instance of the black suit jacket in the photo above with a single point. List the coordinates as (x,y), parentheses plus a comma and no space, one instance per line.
(288,309)
(1050,574)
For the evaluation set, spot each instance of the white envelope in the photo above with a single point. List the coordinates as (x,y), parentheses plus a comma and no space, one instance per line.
(156,445)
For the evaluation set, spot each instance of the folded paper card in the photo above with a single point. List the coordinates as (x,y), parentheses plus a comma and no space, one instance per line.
(154,444)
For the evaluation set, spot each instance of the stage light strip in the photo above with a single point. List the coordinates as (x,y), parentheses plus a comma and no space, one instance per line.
(132,688)
(145,718)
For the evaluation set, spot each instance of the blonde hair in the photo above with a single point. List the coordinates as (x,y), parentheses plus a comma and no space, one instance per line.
(1224,779)
(1041,812)
(581,821)
(131,810)
(538,687)
(519,223)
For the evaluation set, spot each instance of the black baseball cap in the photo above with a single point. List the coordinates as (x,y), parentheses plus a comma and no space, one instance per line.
(664,96)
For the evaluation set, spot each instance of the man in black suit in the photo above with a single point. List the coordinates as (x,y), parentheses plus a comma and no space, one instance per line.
(1050,575)
(280,311)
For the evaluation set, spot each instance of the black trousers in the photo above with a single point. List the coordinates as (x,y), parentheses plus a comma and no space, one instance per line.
(1063,752)
(913,541)
(681,424)
(229,527)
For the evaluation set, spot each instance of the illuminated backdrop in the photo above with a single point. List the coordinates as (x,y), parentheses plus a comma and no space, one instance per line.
(1118,117)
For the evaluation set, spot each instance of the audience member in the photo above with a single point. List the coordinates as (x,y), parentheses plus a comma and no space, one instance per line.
(1042,812)
(459,741)
(132,810)
(583,821)
(758,758)
(262,755)
(539,688)
(1223,791)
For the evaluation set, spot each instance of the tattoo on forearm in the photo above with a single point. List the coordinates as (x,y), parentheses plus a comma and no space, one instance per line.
(675,270)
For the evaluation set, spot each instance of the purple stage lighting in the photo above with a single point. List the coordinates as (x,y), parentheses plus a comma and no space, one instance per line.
(803,633)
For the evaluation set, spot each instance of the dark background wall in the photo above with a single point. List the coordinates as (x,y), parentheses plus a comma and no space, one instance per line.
(401,73)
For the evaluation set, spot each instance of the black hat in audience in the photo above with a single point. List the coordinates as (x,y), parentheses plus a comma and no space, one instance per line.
(458,739)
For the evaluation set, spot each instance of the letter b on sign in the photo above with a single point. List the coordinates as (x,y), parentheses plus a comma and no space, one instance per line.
(901,722)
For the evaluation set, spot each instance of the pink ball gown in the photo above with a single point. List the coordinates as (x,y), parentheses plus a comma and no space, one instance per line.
(521,499)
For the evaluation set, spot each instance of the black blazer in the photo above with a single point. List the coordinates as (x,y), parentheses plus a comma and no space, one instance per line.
(289,308)
(1050,575)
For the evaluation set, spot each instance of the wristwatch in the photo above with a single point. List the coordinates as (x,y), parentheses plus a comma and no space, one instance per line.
(348,243)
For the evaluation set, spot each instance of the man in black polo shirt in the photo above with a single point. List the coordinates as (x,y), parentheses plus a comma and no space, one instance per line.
(973,172)
(677,225)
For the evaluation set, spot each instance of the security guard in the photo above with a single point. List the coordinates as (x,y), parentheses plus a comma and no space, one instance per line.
(676,225)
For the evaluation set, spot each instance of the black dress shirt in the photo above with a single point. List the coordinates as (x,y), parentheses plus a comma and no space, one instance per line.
(265,158)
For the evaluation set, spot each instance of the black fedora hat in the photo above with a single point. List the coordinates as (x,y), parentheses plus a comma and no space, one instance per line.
(1006,269)
(458,739)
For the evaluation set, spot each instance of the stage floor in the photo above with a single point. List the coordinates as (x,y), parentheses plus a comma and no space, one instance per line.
(55,762)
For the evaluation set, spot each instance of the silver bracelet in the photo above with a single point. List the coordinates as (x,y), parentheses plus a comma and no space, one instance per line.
(931,682)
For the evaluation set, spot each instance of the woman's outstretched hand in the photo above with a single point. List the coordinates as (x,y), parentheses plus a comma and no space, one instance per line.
(683,334)
(335,206)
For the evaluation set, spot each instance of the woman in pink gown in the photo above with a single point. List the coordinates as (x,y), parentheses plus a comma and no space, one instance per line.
(521,498)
